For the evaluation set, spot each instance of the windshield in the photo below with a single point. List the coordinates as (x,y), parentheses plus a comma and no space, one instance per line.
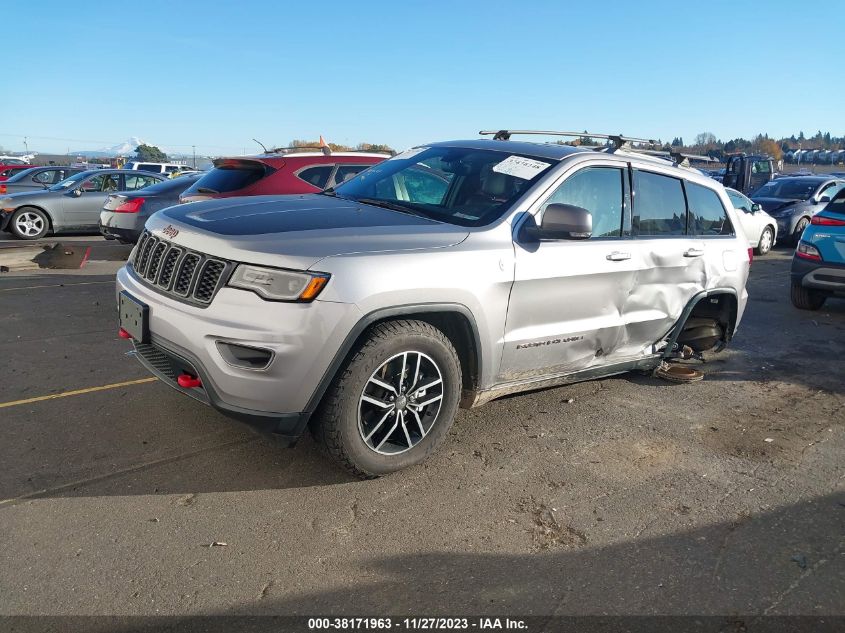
(69,182)
(468,187)
(791,189)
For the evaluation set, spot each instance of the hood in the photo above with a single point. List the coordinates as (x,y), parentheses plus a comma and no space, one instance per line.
(296,231)
(774,205)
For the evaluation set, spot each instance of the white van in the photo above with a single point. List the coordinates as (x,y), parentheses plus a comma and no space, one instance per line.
(158,168)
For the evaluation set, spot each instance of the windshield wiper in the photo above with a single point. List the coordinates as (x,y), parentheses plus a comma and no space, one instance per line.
(386,204)
(206,190)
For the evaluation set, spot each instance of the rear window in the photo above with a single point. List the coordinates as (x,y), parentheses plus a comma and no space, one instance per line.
(837,205)
(707,215)
(228,178)
(317,176)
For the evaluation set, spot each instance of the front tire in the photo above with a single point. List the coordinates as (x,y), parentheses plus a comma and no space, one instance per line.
(393,402)
(767,239)
(804,298)
(799,229)
(29,223)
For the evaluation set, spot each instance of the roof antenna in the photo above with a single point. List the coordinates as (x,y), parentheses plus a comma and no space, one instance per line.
(262,145)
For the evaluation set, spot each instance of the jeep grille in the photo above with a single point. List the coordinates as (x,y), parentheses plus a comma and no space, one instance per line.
(180,273)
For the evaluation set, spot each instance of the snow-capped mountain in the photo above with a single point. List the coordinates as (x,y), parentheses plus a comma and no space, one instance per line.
(123,149)
(126,148)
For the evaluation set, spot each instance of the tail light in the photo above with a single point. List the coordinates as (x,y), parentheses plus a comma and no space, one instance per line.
(807,251)
(820,220)
(750,256)
(2,189)
(130,206)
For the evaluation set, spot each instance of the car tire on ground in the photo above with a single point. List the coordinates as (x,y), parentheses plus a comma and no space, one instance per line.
(799,229)
(805,298)
(393,401)
(767,238)
(29,223)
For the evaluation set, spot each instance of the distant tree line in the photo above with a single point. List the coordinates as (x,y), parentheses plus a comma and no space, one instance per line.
(707,144)
(337,147)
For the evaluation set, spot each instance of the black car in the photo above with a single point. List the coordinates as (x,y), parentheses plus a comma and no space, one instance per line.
(37,178)
(795,200)
(124,214)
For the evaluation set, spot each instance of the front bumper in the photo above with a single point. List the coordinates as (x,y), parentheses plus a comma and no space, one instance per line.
(303,339)
(823,276)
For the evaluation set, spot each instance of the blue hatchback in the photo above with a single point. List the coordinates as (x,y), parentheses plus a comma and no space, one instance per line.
(818,266)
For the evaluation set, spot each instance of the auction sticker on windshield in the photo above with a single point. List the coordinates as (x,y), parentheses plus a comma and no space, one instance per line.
(520,167)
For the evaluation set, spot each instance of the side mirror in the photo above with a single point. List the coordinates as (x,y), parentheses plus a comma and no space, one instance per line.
(566,222)
(824,199)
(76,192)
(756,207)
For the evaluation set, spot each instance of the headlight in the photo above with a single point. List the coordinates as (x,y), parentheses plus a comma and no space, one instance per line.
(279,285)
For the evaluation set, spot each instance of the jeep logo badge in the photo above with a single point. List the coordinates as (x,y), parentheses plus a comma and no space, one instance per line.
(170,231)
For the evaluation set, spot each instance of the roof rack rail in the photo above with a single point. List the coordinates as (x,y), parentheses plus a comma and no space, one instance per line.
(328,150)
(682,159)
(617,140)
(324,148)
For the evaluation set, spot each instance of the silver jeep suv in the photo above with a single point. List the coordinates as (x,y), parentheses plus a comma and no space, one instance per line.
(447,276)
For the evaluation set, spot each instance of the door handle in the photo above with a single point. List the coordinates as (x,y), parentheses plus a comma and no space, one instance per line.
(618,256)
(694,252)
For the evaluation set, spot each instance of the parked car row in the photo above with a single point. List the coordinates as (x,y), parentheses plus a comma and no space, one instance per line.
(39,200)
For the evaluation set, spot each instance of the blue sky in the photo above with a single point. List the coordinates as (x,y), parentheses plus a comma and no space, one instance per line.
(216,74)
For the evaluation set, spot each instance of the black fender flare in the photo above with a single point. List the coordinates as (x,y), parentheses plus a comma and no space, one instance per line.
(382,314)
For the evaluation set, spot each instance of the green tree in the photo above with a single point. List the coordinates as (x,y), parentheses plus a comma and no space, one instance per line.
(374,147)
(150,154)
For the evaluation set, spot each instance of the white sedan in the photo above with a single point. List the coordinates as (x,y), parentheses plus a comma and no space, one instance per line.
(760,227)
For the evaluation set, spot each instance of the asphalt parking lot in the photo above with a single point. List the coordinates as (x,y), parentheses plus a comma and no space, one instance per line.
(624,496)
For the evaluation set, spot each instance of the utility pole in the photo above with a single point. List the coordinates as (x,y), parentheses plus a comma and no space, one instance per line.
(194,147)
(26,145)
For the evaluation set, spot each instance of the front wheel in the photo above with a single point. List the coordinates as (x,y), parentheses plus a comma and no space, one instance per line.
(29,223)
(799,229)
(393,402)
(804,298)
(767,239)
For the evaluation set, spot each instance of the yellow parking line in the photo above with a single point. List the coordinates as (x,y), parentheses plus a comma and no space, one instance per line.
(77,392)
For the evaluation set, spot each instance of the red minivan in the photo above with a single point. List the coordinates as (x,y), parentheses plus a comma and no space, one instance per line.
(272,174)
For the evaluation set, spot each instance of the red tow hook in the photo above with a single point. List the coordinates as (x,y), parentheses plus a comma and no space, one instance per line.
(186,381)
(123,333)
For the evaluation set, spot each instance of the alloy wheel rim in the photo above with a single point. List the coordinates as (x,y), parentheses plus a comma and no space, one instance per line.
(766,241)
(400,403)
(29,224)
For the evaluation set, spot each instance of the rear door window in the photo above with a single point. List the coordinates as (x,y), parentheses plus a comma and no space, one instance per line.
(156,169)
(707,215)
(318,175)
(660,208)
